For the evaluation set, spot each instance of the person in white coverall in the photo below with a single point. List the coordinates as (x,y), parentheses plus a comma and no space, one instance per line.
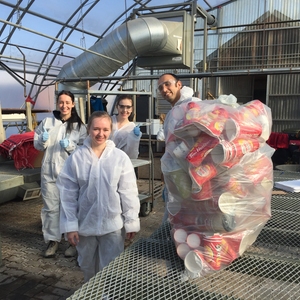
(171,89)
(57,136)
(99,198)
(125,134)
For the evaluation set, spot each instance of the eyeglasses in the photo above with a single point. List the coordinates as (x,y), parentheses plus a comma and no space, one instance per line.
(167,84)
(125,106)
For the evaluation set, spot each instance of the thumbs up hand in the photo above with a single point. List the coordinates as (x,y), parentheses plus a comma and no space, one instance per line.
(64,143)
(137,130)
(45,136)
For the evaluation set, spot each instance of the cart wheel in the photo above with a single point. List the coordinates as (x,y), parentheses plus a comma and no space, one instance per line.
(145,209)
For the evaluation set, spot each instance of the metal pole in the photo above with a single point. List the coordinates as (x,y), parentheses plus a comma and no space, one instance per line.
(88,98)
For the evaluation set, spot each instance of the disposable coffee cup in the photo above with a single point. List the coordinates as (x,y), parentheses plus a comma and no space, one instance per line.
(223,152)
(194,240)
(213,121)
(202,174)
(183,130)
(241,128)
(212,250)
(180,235)
(225,203)
(229,151)
(204,144)
(194,261)
(239,242)
(182,250)
(256,107)
(180,153)
(181,150)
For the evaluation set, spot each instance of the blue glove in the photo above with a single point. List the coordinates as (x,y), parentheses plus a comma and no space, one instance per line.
(45,136)
(64,143)
(137,131)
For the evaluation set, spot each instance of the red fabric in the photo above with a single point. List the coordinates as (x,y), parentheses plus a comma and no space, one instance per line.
(278,140)
(19,147)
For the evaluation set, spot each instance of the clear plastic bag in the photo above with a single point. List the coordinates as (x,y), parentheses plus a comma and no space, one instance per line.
(219,175)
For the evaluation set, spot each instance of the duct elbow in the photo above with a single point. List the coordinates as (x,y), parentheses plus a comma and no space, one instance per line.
(212,21)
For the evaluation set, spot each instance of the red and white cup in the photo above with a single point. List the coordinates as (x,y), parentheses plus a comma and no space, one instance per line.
(239,242)
(193,112)
(235,128)
(227,253)
(213,122)
(194,262)
(256,107)
(212,250)
(203,173)
(204,144)
(229,151)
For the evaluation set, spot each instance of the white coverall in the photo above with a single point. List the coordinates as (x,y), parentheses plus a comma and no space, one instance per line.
(53,161)
(186,95)
(125,139)
(99,199)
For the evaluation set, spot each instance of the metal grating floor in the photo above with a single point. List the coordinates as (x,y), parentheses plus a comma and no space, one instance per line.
(151,269)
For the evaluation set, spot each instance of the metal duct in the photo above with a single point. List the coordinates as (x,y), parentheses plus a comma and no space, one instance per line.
(136,37)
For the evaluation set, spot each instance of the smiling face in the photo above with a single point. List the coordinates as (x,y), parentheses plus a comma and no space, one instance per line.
(65,105)
(124,108)
(100,130)
(169,88)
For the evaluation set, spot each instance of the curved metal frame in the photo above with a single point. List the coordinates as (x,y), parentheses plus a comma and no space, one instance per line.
(41,77)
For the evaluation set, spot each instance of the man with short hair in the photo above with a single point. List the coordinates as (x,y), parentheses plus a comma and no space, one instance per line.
(172,90)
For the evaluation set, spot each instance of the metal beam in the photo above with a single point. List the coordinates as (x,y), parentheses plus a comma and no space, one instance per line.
(189,75)
(56,39)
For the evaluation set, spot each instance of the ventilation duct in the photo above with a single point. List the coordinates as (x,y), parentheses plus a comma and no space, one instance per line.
(136,37)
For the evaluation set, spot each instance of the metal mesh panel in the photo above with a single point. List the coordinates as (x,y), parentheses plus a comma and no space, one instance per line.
(151,269)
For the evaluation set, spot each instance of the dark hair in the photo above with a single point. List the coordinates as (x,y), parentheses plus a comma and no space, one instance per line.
(171,74)
(74,115)
(128,97)
(98,114)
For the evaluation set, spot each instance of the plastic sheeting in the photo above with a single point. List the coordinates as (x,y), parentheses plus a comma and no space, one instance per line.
(219,176)
(19,147)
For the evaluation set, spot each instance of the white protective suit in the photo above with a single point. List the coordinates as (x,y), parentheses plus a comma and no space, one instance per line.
(125,139)
(99,198)
(169,126)
(53,161)
(170,122)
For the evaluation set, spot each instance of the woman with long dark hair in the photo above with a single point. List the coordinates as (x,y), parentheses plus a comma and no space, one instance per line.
(58,136)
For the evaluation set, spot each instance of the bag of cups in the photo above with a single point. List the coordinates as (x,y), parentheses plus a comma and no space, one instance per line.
(219,177)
